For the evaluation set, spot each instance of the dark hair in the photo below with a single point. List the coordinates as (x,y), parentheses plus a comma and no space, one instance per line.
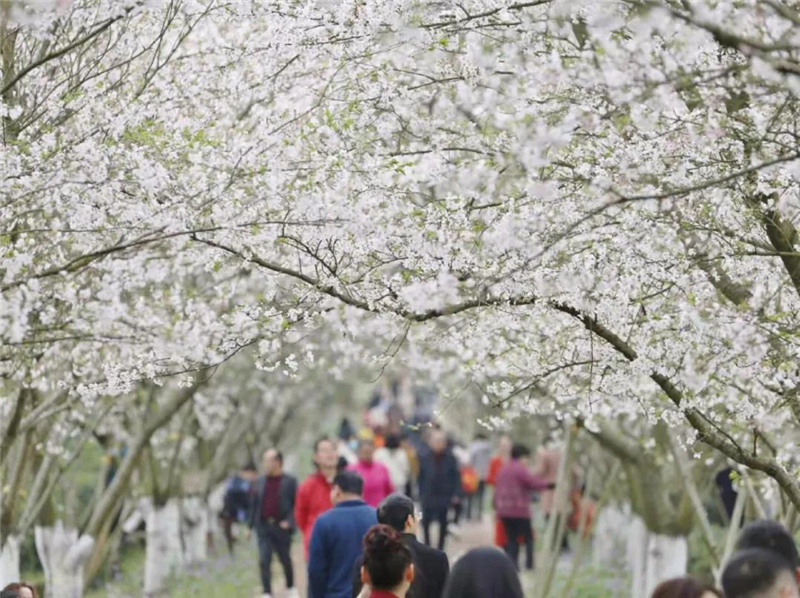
(394,511)
(320,440)
(683,587)
(770,535)
(278,454)
(349,482)
(392,441)
(483,573)
(386,558)
(249,466)
(10,593)
(346,429)
(520,450)
(751,571)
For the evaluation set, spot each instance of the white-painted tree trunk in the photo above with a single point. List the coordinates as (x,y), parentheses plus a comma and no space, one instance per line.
(164,549)
(62,554)
(610,538)
(654,558)
(9,561)
(195,530)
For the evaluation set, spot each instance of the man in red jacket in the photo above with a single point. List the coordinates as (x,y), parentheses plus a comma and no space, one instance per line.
(314,494)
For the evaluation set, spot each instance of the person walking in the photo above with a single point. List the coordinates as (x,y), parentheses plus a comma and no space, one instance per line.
(377,482)
(413,464)
(548,462)
(497,463)
(272,516)
(480,453)
(431,566)
(236,502)
(314,494)
(395,459)
(512,501)
(387,569)
(336,539)
(484,573)
(463,491)
(439,481)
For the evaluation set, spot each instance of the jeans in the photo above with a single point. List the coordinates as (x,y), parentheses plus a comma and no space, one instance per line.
(274,538)
(516,527)
(429,516)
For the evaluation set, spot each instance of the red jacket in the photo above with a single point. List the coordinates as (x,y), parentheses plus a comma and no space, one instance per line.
(512,490)
(313,499)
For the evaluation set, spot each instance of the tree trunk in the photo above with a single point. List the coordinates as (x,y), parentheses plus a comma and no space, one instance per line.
(654,558)
(164,551)
(195,523)
(62,554)
(9,561)
(610,537)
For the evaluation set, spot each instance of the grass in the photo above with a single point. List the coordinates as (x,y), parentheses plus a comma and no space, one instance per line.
(220,576)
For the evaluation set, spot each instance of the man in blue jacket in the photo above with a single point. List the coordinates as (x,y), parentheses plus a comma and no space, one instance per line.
(336,539)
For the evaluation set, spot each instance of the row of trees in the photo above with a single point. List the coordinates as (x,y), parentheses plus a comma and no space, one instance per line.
(585,209)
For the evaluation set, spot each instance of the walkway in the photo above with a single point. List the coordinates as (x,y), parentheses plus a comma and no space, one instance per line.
(238,576)
(224,575)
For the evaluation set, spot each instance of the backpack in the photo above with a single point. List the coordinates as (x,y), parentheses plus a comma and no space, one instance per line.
(469,479)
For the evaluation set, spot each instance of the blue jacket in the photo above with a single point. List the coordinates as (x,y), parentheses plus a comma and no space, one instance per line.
(336,544)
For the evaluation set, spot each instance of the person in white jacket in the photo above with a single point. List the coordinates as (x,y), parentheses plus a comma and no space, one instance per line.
(395,458)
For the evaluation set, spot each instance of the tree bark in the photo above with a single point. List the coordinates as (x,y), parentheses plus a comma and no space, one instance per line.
(9,561)
(195,526)
(164,548)
(62,554)
(654,558)
(116,490)
(10,433)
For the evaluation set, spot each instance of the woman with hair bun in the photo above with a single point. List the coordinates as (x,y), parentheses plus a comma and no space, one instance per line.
(388,570)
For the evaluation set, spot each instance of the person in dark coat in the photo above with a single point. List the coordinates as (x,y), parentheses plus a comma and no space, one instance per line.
(727,493)
(272,516)
(237,501)
(431,566)
(484,573)
(439,482)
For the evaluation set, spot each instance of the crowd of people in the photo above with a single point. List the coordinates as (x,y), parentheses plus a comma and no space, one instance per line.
(375,492)
(373,495)
(401,477)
